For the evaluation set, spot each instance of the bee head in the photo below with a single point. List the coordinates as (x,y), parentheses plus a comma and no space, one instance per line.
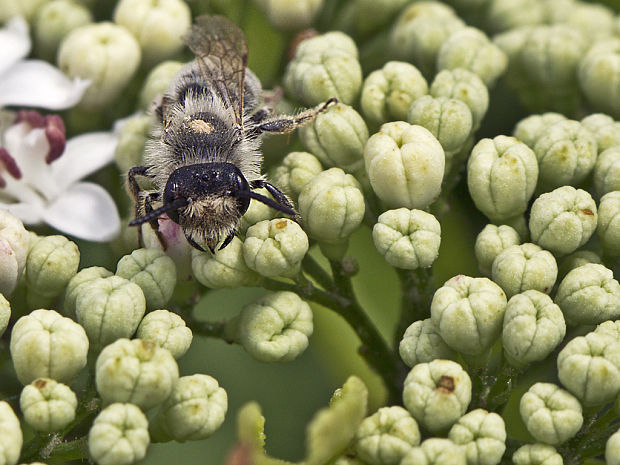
(201,183)
(194,183)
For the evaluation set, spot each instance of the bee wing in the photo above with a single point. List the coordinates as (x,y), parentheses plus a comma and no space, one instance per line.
(222,55)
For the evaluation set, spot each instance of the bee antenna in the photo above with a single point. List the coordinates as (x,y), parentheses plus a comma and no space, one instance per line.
(178,203)
(266,200)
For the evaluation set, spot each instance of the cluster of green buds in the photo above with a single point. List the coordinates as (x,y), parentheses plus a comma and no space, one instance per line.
(98,312)
(493,236)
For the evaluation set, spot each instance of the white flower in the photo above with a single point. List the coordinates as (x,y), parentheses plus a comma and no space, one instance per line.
(39,174)
(32,83)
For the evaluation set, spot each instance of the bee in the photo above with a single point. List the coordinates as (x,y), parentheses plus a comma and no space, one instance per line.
(204,162)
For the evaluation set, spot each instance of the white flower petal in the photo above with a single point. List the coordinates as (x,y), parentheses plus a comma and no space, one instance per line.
(35,83)
(86,211)
(29,147)
(84,155)
(15,43)
(27,212)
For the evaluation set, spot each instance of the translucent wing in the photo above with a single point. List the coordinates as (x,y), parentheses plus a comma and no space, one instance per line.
(222,55)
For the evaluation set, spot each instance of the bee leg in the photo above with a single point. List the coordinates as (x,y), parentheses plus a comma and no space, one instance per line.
(154,223)
(277,194)
(262,114)
(284,124)
(135,189)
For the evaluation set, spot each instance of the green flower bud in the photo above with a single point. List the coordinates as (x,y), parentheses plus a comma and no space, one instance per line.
(119,435)
(408,239)
(11,438)
(529,129)
(422,343)
(522,267)
(295,171)
(47,405)
(194,411)
(610,328)
(324,66)
(14,246)
(158,27)
(589,295)
(135,371)
(153,271)
(106,54)
(370,15)
(596,22)
(157,81)
(612,449)
(575,260)
(44,344)
(290,16)
(597,73)
(533,327)
(589,367)
(566,153)
(167,330)
(275,248)
(25,8)
(276,327)
(332,429)
(386,436)
(337,137)
(75,284)
(332,206)
(471,49)
(405,165)
(131,139)
(419,32)
(606,131)
(537,454)
(5,314)
(607,171)
(109,309)
(437,394)
(463,85)
(449,120)
(483,434)
(436,451)
(490,242)
(468,313)
(551,414)
(608,228)
(563,220)
(225,269)
(557,49)
(501,176)
(51,263)
(388,92)
(503,15)
(54,21)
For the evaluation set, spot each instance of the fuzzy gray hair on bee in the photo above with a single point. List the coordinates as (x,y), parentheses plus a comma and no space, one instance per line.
(205,161)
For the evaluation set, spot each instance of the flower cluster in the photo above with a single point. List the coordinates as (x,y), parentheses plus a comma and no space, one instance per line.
(458,210)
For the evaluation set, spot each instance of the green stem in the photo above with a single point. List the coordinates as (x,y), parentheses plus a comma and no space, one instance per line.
(416,295)
(316,272)
(502,388)
(208,328)
(373,349)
